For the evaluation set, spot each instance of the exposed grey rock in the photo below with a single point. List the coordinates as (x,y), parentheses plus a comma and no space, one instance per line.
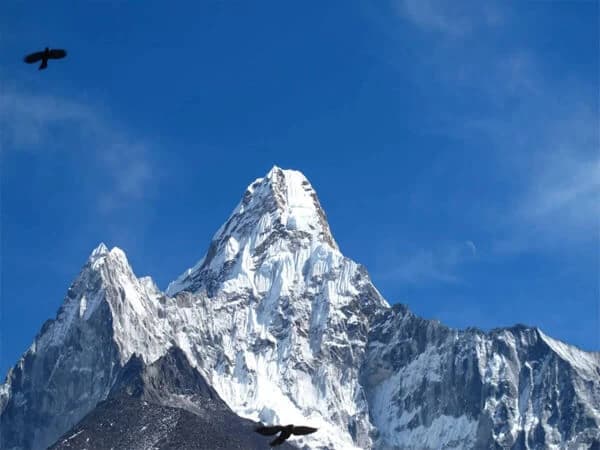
(510,388)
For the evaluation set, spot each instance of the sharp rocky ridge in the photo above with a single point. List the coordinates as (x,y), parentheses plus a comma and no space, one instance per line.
(287,330)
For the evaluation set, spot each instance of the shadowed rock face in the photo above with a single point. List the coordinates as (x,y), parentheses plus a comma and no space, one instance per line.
(64,379)
(165,405)
(288,330)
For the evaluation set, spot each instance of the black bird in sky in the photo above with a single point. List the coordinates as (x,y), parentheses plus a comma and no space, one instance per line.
(44,56)
(286,432)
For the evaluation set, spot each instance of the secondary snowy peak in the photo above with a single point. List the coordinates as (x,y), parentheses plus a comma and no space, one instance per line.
(103,268)
(107,282)
(106,316)
(280,210)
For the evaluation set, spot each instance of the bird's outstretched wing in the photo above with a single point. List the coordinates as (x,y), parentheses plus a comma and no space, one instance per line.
(57,53)
(33,57)
(281,438)
(303,430)
(268,431)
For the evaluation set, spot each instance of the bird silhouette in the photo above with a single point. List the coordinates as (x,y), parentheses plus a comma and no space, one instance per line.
(286,432)
(44,56)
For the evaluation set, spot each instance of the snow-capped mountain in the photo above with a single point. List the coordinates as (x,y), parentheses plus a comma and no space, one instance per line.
(286,329)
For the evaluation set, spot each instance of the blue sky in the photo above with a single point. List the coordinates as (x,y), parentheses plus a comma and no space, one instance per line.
(453,145)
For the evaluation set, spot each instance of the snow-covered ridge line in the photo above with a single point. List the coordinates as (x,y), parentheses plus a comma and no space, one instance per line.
(586,363)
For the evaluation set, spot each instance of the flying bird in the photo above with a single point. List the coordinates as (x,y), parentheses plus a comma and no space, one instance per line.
(286,432)
(44,56)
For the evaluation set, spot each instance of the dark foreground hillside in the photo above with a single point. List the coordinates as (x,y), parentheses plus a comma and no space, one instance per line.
(166,405)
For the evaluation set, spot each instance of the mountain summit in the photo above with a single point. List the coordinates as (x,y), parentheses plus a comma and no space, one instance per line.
(278,212)
(285,329)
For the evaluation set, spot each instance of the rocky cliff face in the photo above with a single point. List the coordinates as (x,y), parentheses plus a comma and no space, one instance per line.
(430,386)
(286,329)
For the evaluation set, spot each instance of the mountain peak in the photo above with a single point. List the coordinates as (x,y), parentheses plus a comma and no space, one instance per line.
(99,251)
(292,202)
(274,170)
(281,209)
(102,251)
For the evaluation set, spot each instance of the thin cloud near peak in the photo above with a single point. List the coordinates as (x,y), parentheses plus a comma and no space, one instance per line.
(449,18)
(437,264)
(121,162)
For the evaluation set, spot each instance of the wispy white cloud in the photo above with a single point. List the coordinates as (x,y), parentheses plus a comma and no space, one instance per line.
(559,205)
(132,173)
(44,123)
(545,136)
(28,119)
(441,264)
(449,18)
(541,127)
(552,160)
